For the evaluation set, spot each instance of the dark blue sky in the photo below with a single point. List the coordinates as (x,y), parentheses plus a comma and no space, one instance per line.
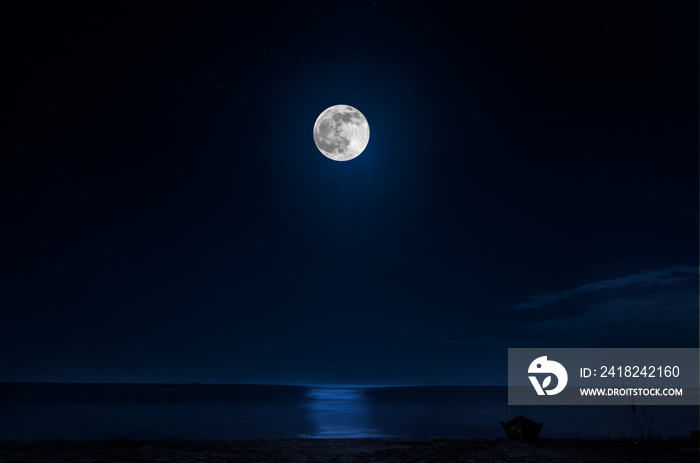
(531,179)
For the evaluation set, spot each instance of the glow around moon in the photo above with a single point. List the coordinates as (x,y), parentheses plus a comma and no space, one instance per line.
(341,133)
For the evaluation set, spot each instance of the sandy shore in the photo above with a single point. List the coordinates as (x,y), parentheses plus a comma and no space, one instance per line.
(398,450)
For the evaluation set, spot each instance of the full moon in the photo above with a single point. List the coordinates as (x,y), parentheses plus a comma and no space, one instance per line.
(341,133)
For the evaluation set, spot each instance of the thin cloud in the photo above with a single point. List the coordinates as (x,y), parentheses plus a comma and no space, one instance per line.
(662,316)
(669,275)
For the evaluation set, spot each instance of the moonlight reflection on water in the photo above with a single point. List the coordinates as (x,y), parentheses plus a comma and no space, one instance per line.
(339,412)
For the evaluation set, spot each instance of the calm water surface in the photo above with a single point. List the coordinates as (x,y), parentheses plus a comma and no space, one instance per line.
(146,411)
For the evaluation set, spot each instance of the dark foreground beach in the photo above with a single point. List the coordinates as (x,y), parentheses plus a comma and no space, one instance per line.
(399,450)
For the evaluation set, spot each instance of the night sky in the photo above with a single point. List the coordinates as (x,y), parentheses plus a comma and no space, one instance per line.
(531,180)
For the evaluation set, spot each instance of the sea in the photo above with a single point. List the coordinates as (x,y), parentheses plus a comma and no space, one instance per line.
(42,411)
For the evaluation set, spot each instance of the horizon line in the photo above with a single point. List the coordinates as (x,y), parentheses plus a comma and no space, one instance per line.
(308,385)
